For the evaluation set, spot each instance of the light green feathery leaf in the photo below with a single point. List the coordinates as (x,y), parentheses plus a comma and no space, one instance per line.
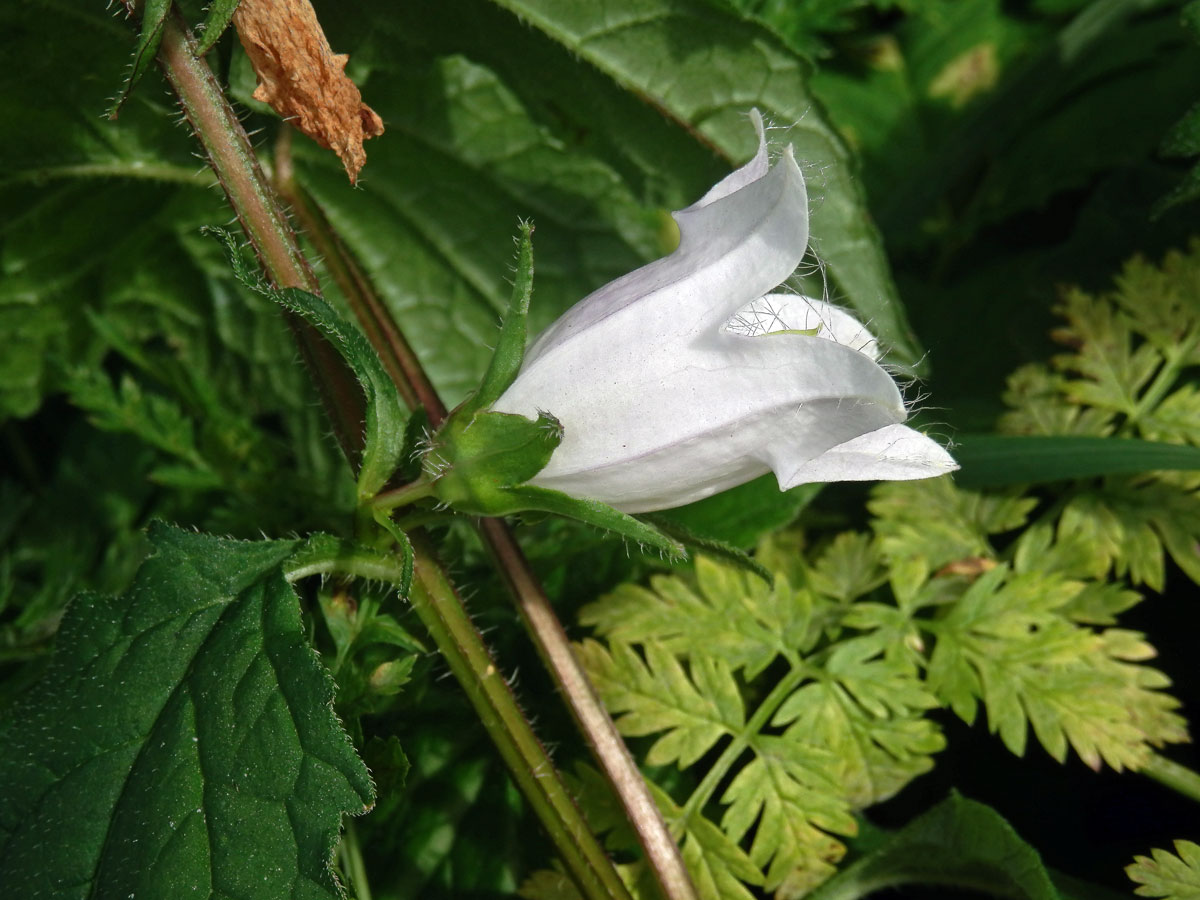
(1174,876)
(1007,642)
(1133,351)
(800,718)
(937,523)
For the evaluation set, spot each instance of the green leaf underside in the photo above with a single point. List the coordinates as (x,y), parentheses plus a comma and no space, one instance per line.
(995,460)
(958,843)
(182,742)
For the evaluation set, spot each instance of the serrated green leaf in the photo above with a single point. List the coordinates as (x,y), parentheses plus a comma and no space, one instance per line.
(734,617)
(154,15)
(386,414)
(958,842)
(848,568)
(852,712)
(998,460)
(1164,874)
(786,792)
(658,695)
(200,751)
(720,66)
(937,523)
(719,868)
(220,14)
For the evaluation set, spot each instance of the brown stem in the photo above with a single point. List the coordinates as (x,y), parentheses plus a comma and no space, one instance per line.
(590,716)
(394,350)
(262,219)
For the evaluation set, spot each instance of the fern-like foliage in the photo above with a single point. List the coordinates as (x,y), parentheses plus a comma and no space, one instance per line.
(1175,876)
(1015,632)
(796,719)
(1128,374)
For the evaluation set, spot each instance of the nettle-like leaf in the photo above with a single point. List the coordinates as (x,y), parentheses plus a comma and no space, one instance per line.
(799,719)
(182,739)
(1175,876)
(1132,352)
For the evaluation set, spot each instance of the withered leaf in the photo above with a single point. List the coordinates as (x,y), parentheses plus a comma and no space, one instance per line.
(301,77)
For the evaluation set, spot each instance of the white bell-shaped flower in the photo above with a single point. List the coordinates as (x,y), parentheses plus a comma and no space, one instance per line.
(689,376)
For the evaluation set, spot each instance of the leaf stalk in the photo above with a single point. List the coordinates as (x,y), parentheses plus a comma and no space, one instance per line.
(1180,779)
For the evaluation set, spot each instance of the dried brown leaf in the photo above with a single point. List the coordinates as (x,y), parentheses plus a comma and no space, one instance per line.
(301,77)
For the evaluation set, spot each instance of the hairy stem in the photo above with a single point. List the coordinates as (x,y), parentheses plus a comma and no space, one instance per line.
(262,218)
(350,853)
(440,609)
(539,619)
(592,719)
(1178,778)
(398,357)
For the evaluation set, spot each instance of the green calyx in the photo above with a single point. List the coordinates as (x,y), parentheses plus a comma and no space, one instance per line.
(478,457)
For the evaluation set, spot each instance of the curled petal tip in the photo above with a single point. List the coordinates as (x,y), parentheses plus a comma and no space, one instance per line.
(893,453)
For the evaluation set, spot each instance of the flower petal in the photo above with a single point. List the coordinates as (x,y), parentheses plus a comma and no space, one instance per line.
(732,249)
(751,171)
(893,453)
(696,420)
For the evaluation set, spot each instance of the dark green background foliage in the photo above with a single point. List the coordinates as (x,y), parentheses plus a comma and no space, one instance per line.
(967,159)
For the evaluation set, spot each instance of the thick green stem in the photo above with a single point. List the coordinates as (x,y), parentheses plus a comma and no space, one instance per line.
(265,224)
(441,611)
(1178,778)
(403,495)
(352,862)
